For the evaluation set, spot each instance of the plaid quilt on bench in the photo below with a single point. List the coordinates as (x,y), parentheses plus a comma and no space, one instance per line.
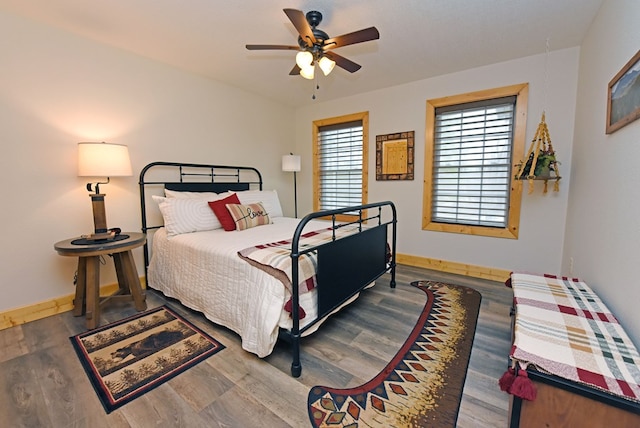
(564,329)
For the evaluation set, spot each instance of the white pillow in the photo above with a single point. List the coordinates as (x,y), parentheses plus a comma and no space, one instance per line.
(186,215)
(183,195)
(268,198)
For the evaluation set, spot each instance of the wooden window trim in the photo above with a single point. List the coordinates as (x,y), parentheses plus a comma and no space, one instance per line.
(317,124)
(521,91)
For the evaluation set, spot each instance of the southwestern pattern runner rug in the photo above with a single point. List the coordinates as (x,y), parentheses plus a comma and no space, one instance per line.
(127,358)
(422,385)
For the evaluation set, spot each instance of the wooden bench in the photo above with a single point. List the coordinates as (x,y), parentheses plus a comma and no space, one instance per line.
(571,352)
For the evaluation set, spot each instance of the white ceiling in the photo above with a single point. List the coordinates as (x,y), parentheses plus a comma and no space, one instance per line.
(418,38)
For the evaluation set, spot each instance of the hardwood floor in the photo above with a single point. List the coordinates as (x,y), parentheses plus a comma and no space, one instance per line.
(42,383)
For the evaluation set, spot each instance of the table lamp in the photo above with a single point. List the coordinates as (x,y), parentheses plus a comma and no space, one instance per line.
(291,163)
(102,160)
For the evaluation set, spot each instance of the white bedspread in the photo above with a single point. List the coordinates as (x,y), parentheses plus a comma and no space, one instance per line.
(204,272)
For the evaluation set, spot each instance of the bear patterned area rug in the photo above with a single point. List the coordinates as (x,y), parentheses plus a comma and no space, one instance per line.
(422,385)
(127,358)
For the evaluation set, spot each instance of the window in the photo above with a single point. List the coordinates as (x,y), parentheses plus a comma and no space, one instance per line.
(471,142)
(340,161)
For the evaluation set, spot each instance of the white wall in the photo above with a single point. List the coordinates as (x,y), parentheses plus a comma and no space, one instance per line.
(56,90)
(403,108)
(603,222)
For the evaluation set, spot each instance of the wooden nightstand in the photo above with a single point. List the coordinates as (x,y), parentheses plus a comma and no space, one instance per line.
(88,301)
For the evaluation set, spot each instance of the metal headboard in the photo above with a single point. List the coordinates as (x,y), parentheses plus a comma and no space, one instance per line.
(189,177)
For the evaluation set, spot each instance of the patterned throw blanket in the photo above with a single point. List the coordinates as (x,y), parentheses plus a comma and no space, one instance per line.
(275,258)
(563,328)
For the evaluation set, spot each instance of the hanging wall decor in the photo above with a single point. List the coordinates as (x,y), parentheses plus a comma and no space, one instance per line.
(623,100)
(541,162)
(394,156)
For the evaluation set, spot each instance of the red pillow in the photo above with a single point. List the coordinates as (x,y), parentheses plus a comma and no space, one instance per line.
(220,210)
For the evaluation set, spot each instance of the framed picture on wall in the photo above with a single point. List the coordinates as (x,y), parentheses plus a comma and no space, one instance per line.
(394,156)
(623,99)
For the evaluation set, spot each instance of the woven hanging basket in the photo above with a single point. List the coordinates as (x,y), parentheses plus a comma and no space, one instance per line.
(541,162)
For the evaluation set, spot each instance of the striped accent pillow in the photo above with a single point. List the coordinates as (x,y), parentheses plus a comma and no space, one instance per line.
(247,216)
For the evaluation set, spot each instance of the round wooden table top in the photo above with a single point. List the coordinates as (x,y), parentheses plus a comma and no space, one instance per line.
(69,248)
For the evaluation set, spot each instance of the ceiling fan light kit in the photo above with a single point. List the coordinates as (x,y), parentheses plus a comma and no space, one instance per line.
(315,46)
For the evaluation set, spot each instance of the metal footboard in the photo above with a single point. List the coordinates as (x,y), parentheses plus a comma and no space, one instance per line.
(346,265)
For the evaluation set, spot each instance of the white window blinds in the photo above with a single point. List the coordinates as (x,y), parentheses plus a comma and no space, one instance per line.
(472,163)
(340,154)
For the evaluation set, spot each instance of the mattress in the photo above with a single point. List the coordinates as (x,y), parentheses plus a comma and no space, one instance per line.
(204,272)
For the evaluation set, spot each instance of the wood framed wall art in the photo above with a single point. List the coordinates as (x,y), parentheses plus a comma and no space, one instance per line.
(623,98)
(395,156)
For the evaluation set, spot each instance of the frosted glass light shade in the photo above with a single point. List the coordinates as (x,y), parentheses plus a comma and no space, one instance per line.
(291,163)
(307,72)
(326,65)
(103,160)
(304,59)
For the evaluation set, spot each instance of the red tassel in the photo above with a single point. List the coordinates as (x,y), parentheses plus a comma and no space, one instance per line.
(523,387)
(506,380)
(289,306)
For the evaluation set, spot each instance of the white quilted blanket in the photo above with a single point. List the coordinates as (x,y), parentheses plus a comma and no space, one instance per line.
(204,272)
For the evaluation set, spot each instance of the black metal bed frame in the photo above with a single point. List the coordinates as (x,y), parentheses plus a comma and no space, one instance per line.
(190,177)
(346,265)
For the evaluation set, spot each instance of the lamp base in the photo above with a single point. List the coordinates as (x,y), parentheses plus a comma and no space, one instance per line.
(99,215)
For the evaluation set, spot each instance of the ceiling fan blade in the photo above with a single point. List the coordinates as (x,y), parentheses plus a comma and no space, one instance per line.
(360,36)
(343,62)
(299,21)
(295,71)
(272,47)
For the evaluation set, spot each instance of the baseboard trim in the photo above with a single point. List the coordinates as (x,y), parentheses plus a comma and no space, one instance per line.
(492,274)
(25,314)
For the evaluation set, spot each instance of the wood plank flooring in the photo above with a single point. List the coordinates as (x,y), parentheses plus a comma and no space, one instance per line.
(42,383)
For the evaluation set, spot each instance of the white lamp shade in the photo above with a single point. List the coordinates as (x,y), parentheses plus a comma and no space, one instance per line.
(291,163)
(326,65)
(103,160)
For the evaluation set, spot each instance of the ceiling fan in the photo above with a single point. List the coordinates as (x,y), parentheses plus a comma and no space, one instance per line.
(316,47)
